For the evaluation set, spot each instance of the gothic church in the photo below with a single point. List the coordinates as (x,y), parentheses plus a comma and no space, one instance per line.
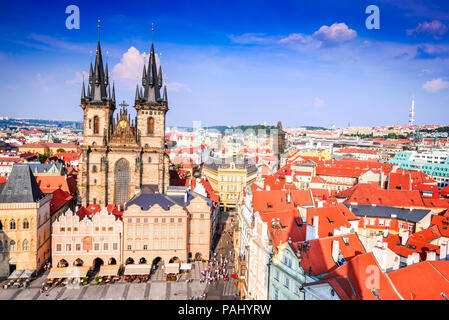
(121,156)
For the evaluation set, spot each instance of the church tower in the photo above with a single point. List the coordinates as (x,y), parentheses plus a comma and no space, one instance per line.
(121,155)
(151,110)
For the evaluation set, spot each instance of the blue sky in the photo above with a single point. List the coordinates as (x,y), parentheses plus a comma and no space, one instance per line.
(242,62)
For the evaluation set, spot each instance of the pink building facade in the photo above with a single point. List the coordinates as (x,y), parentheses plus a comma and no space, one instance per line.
(87,240)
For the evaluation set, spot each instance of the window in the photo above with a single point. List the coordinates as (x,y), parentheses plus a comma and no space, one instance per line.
(156,245)
(164,231)
(105,246)
(381,222)
(26,224)
(201,240)
(78,247)
(137,232)
(276,294)
(25,245)
(163,220)
(156,220)
(287,282)
(150,125)
(96,125)
(156,231)
(145,246)
(190,239)
(276,275)
(115,246)
(145,231)
(172,220)
(172,245)
(163,244)
(387,223)
(179,231)
(96,246)
(58,247)
(297,290)
(137,245)
(62,229)
(129,246)
(179,244)
(68,247)
(145,220)
(130,232)
(179,220)
(12,225)
(137,220)
(94,169)
(172,231)
(202,227)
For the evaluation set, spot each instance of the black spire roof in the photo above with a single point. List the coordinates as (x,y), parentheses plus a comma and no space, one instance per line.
(152,80)
(21,186)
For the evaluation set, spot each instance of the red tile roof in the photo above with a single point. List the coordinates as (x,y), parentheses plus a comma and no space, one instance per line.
(354,275)
(317,258)
(329,218)
(412,246)
(60,198)
(422,281)
(276,200)
(49,184)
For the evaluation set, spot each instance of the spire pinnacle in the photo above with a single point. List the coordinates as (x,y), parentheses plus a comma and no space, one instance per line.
(99,30)
(152,32)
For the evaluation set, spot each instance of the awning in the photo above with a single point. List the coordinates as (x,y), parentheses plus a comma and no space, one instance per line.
(171,268)
(109,270)
(68,272)
(26,274)
(186,266)
(137,269)
(16,274)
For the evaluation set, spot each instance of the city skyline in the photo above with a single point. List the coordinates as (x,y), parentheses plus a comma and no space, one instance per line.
(226,66)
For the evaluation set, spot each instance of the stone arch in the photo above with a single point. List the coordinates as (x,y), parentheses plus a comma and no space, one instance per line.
(62,263)
(78,263)
(112,261)
(143,261)
(122,179)
(25,245)
(12,224)
(198,256)
(97,263)
(129,261)
(175,260)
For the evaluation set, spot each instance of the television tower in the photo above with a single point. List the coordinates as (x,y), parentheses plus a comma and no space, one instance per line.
(411,113)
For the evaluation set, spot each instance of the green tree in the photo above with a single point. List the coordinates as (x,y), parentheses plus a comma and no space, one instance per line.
(42,158)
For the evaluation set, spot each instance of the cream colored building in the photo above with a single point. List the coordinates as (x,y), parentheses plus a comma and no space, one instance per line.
(24,222)
(229,177)
(168,228)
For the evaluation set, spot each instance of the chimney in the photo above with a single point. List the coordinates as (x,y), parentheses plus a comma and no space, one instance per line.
(335,250)
(288,197)
(404,237)
(410,260)
(443,251)
(385,234)
(185,197)
(431,256)
(315,225)
(415,256)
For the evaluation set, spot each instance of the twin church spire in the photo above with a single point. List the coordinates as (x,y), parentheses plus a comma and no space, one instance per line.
(151,83)
(99,87)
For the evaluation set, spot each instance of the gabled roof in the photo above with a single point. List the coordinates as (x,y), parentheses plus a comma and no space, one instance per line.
(317,258)
(276,200)
(412,246)
(330,218)
(388,212)
(21,186)
(427,280)
(353,279)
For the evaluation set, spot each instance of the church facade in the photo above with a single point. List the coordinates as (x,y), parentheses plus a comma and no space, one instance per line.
(121,155)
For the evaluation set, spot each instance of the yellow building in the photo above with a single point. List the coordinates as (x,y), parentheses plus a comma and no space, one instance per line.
(48,148)
(228,177)
(24,222)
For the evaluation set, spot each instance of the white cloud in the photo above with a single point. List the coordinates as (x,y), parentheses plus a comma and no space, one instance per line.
(318,102)
(78,77)
(435,85)
(130,65)
(296,37)
(335,34)
(435,27)
(177,86)
(251,38)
